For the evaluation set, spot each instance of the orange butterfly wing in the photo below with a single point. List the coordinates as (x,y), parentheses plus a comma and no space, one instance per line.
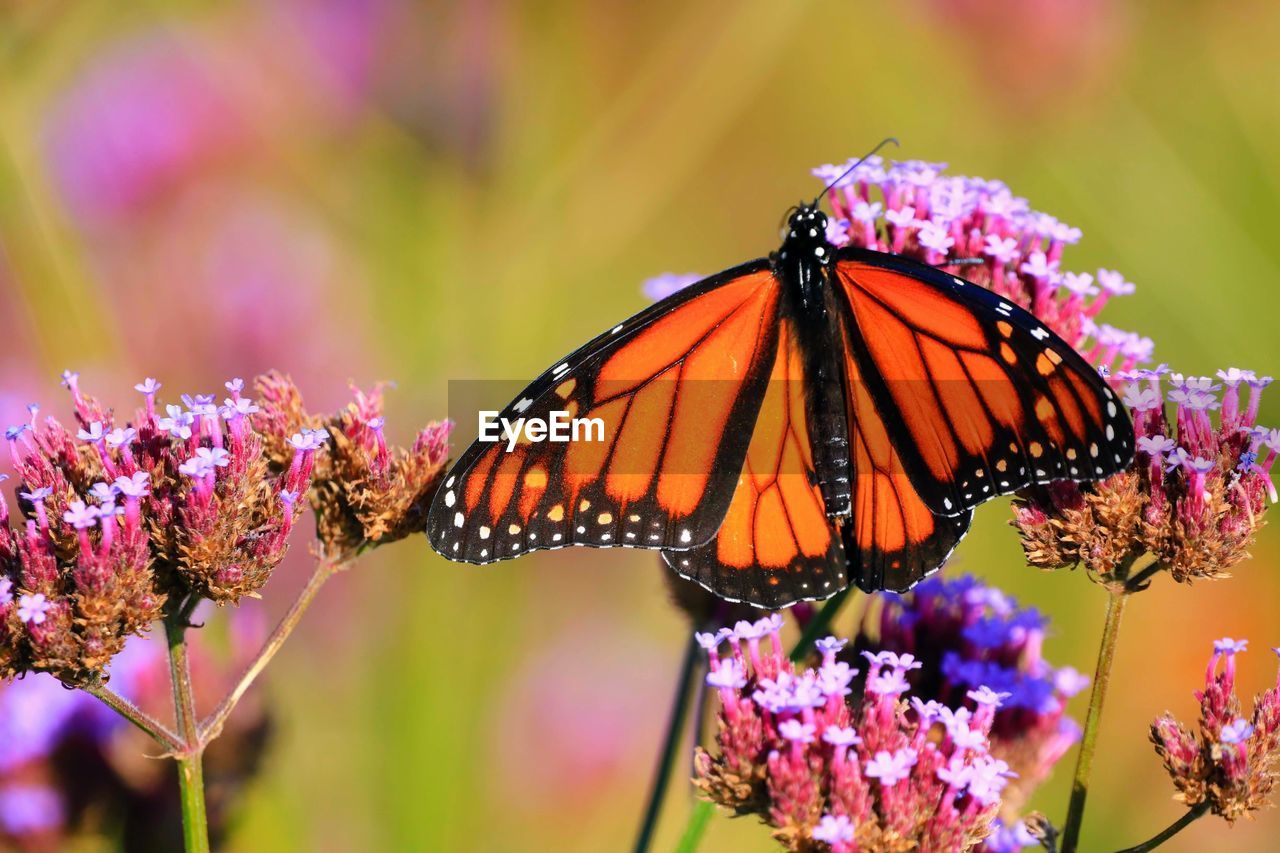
(892,539)
(777,546)
(676,390)
(979,398)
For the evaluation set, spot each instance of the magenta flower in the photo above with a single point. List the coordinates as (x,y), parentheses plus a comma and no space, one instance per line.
(1194,498)
(1231,765)
(820,762)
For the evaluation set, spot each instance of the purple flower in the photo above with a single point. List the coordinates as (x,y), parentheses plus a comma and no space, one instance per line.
(214,456)
(235,386)
(833,829)
(93,434)
(661,286)
(1229,646)
(1156,445)
(1114,283)
(1039,266)
(986,696)
(990,775)
(866,212)
(1080,284)
(80,517)
(70,378)
(729,675)
(12,433)
(891,768)
(135,486)
(829,645)
(32,609)
(37,495)
(794,730)
(1236,731)
(147,386)
(197,468)
(308,440)
(121,437)
(891,683)
(238,408)
(901,218)
(102,492)
(6,591)
(841,736)
(934,236)
(708,641)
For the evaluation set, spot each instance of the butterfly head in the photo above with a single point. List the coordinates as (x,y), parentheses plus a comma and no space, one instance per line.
(806,235)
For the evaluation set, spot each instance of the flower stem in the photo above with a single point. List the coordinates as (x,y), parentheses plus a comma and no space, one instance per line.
(190,755)
(211,727)
(1089,742)
(685,688)
(157,730)
(819,624)
(693,831)
(1192,815)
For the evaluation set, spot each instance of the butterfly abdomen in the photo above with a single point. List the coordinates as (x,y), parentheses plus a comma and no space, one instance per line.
(801,264)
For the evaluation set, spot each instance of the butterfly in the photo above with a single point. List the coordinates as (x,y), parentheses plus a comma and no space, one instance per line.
(819,417)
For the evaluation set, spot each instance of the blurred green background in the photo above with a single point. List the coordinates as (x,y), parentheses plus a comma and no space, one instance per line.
(426,192)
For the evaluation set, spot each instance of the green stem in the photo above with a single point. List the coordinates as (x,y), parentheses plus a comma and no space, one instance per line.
(158,731)
(1192,815)
(1089,741)
(693,831)
(819,624)
(195,822)
(671,745)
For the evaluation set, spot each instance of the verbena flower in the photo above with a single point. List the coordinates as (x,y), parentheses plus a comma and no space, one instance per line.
(116,518)
(1194,498)
(823,763)
(367,491)
(1232,762)
(69,764)
(913,208)
(969,637)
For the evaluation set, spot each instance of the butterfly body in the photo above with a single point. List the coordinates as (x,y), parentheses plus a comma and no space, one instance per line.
(818,417)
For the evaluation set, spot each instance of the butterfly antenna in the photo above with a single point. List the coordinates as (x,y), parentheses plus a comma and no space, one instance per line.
(865,157)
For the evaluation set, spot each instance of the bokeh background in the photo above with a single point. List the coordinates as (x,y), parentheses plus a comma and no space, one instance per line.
(366,189)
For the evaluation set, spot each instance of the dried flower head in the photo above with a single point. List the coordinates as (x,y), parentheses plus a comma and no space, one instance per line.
(366,492)
(830,769)
(1232,763)
(1194,497)
(972,636)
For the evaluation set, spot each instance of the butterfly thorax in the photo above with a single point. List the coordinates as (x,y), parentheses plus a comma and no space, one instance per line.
(802,264)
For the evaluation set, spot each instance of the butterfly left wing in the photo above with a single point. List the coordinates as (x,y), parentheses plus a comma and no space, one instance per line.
(979,398)
(776,546)
(676,390)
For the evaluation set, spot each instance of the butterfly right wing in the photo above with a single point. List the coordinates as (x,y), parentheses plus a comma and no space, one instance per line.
(892,539)
(677,389)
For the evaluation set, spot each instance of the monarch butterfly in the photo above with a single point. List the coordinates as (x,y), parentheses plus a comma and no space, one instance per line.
(802,421)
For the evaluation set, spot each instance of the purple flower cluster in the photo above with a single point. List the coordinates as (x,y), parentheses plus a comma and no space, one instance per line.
(1196,494)
(822,762)
(912,208)
(972,636)
(1231,765)
(117,518)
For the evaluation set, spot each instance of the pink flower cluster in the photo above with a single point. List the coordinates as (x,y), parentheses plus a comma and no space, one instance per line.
(1230,766)
(1195,496)
(819,764)
(912,208)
